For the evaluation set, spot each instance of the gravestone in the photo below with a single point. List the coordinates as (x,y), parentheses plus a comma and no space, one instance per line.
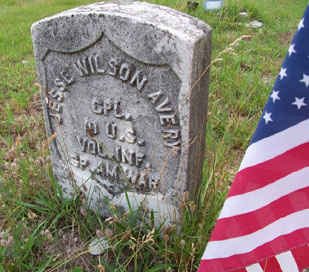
(122,90)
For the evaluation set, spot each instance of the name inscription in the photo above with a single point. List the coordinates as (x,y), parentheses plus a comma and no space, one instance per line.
(126,72)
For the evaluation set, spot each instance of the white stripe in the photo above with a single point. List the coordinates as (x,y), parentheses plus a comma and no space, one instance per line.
(254,268)
(247,243)
(276,144)
(287,262)
(251,201)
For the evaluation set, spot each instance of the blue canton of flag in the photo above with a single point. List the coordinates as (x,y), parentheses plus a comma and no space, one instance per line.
(288,103)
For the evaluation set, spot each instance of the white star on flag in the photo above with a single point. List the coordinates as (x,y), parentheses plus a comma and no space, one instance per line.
(283,73)
(305,80)
(299,102)
(275,96)
(301,24)
(267,117)
(292,49)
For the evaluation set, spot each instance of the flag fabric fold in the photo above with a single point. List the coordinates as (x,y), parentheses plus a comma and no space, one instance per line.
(264,223)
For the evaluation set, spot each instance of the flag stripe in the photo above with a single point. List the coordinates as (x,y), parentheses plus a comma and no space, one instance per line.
(244,203)
(254,268)
(301,256)
(287,262)
(250,222)
(240,270)
(265,173)
(270,265)
(265,149)
(247,243)
(280,244)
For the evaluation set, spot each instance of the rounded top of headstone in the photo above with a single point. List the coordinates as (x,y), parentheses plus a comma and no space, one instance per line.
(123,22)
(166,18)
(161,16)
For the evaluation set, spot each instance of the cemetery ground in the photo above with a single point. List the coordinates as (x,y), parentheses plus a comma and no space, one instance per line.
(42,231)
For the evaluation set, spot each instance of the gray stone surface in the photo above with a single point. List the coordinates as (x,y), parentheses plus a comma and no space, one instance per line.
(116,85)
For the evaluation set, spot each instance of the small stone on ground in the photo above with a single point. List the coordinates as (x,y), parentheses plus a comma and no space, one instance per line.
(254,24)
(243,14)
(97,246)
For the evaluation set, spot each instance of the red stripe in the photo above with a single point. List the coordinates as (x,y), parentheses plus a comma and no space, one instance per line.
(301,256)
(270,265)
(240,270)
(274,247)
(260,175)
(250,222)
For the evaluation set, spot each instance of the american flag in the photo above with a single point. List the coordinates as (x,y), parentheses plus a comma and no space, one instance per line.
(264,223)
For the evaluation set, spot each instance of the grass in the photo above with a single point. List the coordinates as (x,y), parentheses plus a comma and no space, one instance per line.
(42,231)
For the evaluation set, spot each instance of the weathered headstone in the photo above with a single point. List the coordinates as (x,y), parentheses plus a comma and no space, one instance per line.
(121,88)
